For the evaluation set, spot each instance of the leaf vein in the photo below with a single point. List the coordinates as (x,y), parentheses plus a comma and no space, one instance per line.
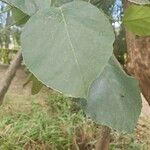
(72,47)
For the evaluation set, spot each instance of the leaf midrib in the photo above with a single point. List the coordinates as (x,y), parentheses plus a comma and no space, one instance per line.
(72,47)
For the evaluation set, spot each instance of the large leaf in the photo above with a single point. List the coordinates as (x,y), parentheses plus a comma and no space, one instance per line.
(114,99)
(140,1)
(105,5)
(59,2)
(137,19)
(67,47)
(30,6)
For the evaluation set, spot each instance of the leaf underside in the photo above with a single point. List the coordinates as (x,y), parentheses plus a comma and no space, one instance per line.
(67,47)
(29,7)
(114,99)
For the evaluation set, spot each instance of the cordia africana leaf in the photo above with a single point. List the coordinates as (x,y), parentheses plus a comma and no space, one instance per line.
(114,99)
(137,19)
(19,17)
(142,2)
(36,84)
(58,3)
(29,7)
(67,47)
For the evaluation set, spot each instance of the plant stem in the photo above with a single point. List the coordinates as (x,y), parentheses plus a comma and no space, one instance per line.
(104,140)
(6,2)
(9,75)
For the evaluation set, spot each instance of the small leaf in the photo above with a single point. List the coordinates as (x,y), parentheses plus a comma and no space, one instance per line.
(114,99)
(30,6)
(67,47)
(137,19)
(19,17)
(142,2)
(36,84)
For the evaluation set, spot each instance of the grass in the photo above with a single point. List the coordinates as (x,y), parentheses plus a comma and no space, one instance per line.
(52,122)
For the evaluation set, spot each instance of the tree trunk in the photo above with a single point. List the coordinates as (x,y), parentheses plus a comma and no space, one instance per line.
(9,75)
(138,63)
(104,140)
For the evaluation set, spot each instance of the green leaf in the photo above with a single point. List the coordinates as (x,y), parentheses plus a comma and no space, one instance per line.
(58,3)
(30,6)
(143,2)
(137,19)
(19,17)
(36,84)
(114,99)
(66,48)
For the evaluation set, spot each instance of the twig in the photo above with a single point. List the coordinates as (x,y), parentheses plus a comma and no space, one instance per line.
(9,75)
(104,140)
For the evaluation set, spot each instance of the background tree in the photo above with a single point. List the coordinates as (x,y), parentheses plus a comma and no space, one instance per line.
(138,62)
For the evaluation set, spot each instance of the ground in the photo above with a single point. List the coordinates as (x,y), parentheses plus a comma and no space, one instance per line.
(49,121)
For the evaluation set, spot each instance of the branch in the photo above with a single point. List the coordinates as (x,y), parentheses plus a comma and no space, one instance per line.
(11,50)
(9,75)
(104,140)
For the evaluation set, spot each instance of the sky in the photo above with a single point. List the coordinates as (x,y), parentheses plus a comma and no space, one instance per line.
(2,16)
(117,10)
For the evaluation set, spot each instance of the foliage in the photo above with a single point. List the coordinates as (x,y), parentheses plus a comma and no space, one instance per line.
(29,7)
(36,84)
(85,45)
(140,1)
(79,35)
(105,5)
(9,35)
(69,48)
(120,46)
(137,19)
(19,17)
(118,101)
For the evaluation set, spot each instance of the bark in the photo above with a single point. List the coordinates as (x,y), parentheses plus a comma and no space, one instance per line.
(138,63)
(104,140)
(9,75)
